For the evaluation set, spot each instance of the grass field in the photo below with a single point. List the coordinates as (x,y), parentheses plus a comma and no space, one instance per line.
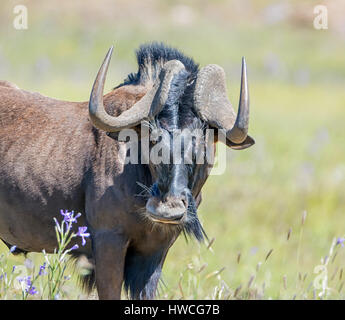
(276,211)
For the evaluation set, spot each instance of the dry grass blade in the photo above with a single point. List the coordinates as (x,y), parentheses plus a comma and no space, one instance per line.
(304,217)
(250,281)
(289,234)
(335,255)
(268,254)
(181,290)
(252,294)
(334,273)
(238,257)
(202,267)
(285,282)
(238,289)
(311,284)
(210,244)
(215,273)
(263,287)
(190,266)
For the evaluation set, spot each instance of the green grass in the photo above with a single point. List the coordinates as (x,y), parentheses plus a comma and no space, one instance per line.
(295,166)
(297,78)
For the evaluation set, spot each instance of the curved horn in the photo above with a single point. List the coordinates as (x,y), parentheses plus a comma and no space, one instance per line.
(148,106)
(213,106)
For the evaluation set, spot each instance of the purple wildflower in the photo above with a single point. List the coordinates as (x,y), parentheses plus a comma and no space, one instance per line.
(341,241)
(75,247)
(25,279)
(29,288)
(32,290)
(13,248)
(69,217)
(13,268)
(42,269)
(82,233)
(66,214)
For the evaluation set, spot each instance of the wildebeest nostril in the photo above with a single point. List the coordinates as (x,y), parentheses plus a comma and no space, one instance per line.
(184,201)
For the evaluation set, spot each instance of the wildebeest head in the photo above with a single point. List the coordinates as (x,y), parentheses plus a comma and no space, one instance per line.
(181,105)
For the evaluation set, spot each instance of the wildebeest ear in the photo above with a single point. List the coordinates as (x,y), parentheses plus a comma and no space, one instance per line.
(248,142)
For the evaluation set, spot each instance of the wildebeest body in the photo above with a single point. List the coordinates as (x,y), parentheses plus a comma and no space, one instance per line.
(52,157)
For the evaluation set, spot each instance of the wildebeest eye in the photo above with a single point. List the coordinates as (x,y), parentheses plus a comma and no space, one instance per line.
(190,82)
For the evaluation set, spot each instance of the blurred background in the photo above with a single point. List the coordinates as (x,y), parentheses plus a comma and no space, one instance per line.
(272,217)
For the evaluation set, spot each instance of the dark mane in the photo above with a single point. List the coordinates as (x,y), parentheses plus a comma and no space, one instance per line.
(151,57)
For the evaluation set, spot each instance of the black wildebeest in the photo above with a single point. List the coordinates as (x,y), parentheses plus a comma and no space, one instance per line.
(57,154)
